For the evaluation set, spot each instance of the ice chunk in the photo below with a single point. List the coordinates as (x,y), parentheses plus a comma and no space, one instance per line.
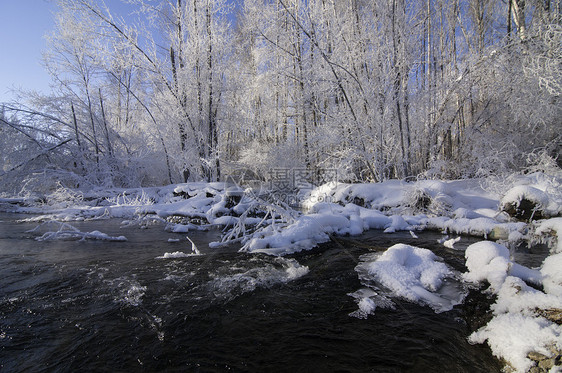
(176,255)
(411,273)
(451,242)
(368,300)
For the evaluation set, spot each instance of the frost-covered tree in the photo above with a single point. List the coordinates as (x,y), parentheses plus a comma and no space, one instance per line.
(377,90)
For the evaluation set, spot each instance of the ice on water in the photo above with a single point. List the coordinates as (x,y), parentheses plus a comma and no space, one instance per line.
(177,255)
(66,231)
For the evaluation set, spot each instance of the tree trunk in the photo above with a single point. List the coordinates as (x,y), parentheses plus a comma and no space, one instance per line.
(518,7)
(109,148)
(212,124)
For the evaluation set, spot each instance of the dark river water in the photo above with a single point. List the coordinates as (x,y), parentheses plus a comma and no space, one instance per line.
(79,306)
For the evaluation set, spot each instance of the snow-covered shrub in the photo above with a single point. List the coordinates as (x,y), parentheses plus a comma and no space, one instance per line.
(64,197)
(140,198)
(429,197)
(542,162)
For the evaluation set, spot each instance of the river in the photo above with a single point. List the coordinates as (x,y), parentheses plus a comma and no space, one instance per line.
(79,306)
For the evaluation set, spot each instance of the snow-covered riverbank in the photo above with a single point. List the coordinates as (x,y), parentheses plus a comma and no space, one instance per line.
(527,311)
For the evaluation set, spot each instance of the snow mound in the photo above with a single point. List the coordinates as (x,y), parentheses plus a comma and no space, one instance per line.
(526,202)
(490,261)
(515,296)
(487,261)
(411,273)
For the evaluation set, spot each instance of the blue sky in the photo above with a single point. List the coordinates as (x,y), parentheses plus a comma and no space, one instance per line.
(23,27)
(23,24)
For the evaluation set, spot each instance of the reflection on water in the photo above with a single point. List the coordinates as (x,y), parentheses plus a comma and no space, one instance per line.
(120,306)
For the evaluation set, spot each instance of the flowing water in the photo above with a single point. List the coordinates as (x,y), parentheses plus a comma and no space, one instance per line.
(78,306)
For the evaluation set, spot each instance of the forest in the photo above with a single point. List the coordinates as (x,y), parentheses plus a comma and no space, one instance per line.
(207,89)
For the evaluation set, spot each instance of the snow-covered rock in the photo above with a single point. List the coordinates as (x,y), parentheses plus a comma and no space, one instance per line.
(551,271)
(524,321)
(525,202)
(487,261)
(490,261)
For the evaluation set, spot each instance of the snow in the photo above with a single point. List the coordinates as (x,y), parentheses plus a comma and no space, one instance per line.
(518,326)
(490,261)
(411,273)
(487,261)
(551,227)
(460,207)
(543,189)
(513,336)
(455,208)
(551,271)
(176,255)
(516,194)
(450,243)
(316,227)
(515,296)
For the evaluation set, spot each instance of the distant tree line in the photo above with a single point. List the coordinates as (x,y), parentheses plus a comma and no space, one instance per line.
(375,89)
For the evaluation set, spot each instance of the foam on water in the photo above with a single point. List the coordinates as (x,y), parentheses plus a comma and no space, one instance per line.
(269,272)
(129,291)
